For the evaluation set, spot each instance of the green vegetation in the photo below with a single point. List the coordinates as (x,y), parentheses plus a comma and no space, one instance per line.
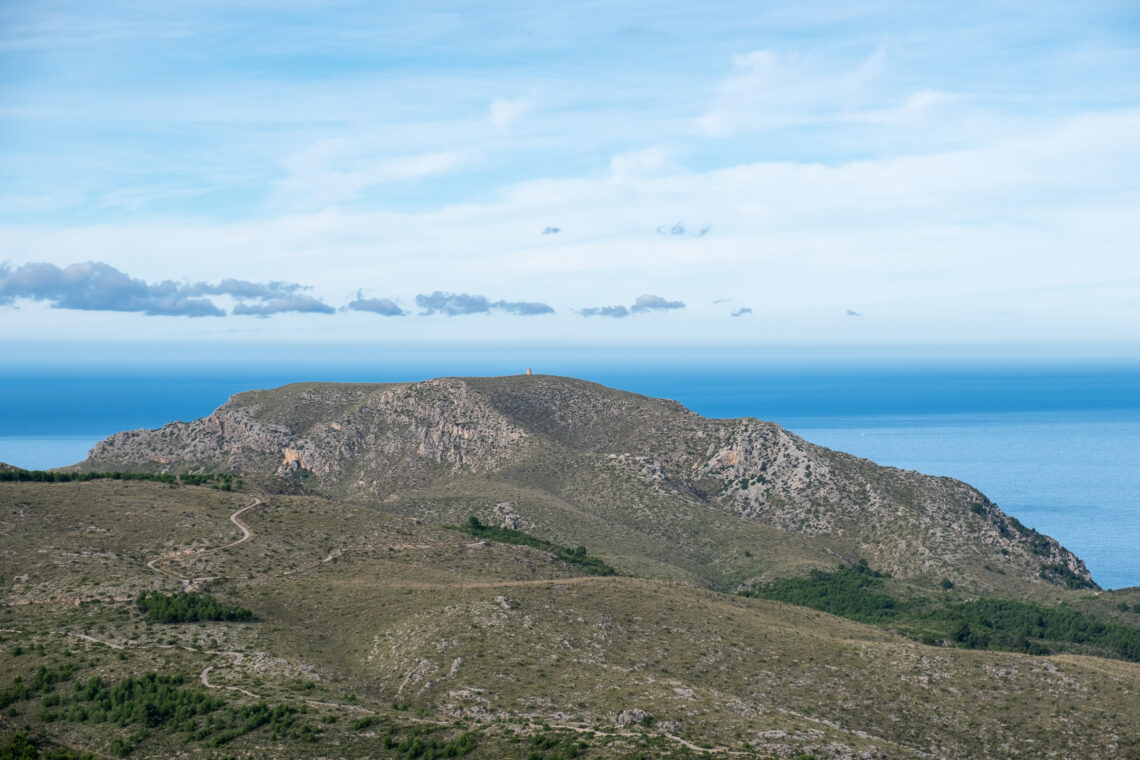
(43,680)
(1060,573)
(222,482)
(188,607)
(416,744)
(578,556)
(856,592)
(378,615)
(20,747)
(850,591)
(545,746)
(152,702)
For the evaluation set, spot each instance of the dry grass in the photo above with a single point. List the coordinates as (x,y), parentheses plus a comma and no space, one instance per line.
(505,640)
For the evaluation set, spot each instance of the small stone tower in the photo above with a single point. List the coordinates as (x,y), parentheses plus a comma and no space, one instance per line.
(528,370)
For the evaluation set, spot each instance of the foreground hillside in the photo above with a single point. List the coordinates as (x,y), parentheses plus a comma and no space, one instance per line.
(375,634)
(661,490)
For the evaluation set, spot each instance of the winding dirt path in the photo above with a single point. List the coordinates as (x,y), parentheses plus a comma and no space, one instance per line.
(204,677)
(187,583)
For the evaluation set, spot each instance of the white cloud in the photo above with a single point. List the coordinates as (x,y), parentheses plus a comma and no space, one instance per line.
(642,163)
(504,113)
(768,90)
(337,170)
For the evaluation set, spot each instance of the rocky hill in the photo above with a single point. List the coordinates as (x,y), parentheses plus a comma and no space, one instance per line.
(662,489)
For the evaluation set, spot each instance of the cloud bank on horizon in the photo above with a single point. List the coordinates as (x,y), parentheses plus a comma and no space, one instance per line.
(964,174)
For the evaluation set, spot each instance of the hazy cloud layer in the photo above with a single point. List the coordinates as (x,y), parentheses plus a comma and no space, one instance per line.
(96,286)
(649,302)
(455,304)
(385,307)
(742,312)
(605,311)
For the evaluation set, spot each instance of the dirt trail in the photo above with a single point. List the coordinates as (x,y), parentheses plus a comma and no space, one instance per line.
(500,584)
(672,737)
(85,637)
(187,583)
(204,677)
(341,552)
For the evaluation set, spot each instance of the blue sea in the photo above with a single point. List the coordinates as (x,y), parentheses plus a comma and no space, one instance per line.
(1056,446)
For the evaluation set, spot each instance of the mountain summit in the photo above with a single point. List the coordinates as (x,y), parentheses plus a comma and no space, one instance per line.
(654,485)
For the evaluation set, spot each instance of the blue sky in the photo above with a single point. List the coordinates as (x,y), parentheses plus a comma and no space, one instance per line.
(796,174)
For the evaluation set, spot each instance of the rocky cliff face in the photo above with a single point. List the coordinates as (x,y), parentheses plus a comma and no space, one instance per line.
(358,438)
(546,434)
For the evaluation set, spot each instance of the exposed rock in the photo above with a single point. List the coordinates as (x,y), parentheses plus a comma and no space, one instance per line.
(587,445)
(633,717)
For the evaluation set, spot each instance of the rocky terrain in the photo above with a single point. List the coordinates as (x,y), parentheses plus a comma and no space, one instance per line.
(536,568)
(576,452)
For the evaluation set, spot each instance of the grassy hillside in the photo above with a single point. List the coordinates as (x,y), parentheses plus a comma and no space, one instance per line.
(663,490)
(379,634)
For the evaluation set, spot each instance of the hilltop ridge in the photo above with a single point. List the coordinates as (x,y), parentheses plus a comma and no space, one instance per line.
(572,459)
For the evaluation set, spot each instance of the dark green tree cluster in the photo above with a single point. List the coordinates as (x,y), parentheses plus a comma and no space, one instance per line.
(20,747)
(43,680)
(222,482)
(577,556)
(850,591)
(168,703)
(856,592)
(282,721)
(417,744)
(151,700)
(188,607)
(50,476)
(1010,625)
(545,746)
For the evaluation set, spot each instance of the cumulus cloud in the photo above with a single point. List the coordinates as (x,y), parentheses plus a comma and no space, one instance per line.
(742,312)
(644,303)
(853,313)
(523,308)
(244,289)
(649,302)
(605,311)
(454,304)
(299,303)
(551,230)
(96,286)
(385,307)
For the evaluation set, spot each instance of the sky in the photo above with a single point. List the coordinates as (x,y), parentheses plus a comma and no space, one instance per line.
(622,173)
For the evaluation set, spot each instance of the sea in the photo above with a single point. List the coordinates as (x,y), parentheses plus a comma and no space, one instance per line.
(1055,445)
